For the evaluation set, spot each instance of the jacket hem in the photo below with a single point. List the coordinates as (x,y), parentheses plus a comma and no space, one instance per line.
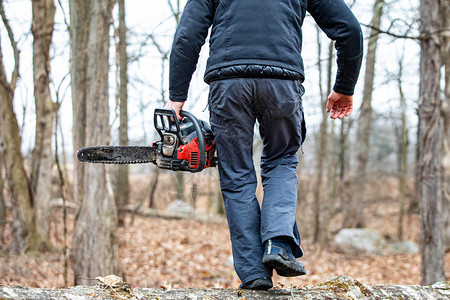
(250,70)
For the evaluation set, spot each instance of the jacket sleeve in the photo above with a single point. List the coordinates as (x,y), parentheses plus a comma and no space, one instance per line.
(189,38)
(339,24)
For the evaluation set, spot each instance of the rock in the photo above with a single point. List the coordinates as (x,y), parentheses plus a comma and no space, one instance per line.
(229,262)
(405,247)
(179,207)
(360,241)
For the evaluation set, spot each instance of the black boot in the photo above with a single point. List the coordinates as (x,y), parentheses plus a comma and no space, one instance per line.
(278,255)
(264,283)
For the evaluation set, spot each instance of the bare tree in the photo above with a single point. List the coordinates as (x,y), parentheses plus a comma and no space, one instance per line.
(321,146)
(63,187)
(79,33)
(445,44)
(175,10)
(123,185)
(324,157)
(42,29)
(95,246)
(345,182)
(3,208)
(154,185)
(430,146)
(24,231)
(355,213)
(402,157)
(181,186)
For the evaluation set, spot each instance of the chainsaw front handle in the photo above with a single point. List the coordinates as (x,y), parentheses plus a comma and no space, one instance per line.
(201,140)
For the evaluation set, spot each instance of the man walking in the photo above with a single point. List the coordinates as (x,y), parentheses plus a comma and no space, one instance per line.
(255,71)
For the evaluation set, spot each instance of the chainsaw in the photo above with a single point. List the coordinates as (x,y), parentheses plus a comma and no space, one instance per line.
(186,145)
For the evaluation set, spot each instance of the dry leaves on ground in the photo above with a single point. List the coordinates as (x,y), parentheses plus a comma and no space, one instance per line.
(168,253)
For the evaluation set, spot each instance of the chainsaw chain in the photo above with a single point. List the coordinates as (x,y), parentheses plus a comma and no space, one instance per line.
(112,162)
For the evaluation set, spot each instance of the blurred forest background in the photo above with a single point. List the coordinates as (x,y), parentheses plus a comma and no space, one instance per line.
(75,73)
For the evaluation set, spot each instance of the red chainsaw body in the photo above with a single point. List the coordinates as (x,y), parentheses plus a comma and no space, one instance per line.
(190,152)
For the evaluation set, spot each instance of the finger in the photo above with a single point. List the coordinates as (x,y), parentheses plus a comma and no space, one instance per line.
(338,112)
(349,111)
(333,114)
(329,106)
(343,113)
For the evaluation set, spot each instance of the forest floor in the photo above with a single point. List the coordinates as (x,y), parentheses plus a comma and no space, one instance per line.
(159,252)
(179,253)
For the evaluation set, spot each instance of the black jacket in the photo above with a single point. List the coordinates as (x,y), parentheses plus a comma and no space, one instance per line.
(260,38)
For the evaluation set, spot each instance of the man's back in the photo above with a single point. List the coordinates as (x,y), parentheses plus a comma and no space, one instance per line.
(260,38)
(261,32)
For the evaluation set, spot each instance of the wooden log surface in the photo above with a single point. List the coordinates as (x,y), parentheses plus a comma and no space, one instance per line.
(340,287)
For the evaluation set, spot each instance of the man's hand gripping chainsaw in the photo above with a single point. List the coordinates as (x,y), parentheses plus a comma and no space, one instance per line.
(187,145)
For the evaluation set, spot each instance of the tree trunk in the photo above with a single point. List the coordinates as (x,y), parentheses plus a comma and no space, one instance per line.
(23,228)
(42,29)
(332,186)
(430,147)
(345,184)
(321,150)
(2,198)
(64,193)
(79,33)
(123,185)
(330,189)
(151,202)
(413,205)
(95,246)
(322,146)
(445,10)
(24,231)
(403,143)
(355,213)
(180,185)
(219,205)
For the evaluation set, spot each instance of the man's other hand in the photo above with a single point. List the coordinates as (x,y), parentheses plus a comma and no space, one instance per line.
(339,105)
(176,106)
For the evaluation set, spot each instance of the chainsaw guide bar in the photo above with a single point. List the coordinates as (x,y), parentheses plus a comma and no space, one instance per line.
(118,154)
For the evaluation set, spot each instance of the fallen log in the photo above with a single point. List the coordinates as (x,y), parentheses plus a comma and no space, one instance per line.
(340,287)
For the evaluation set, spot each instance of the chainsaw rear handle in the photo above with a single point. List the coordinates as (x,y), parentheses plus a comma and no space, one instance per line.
(168,123)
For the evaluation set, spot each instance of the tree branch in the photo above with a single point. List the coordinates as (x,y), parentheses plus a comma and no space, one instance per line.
(445,32)
(64,14)
(15,73)
(399,36)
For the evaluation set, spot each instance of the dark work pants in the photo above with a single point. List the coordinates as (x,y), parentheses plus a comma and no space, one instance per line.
(235,105)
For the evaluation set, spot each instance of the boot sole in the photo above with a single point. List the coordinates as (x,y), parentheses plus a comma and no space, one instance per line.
(285,268)
(262,286)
